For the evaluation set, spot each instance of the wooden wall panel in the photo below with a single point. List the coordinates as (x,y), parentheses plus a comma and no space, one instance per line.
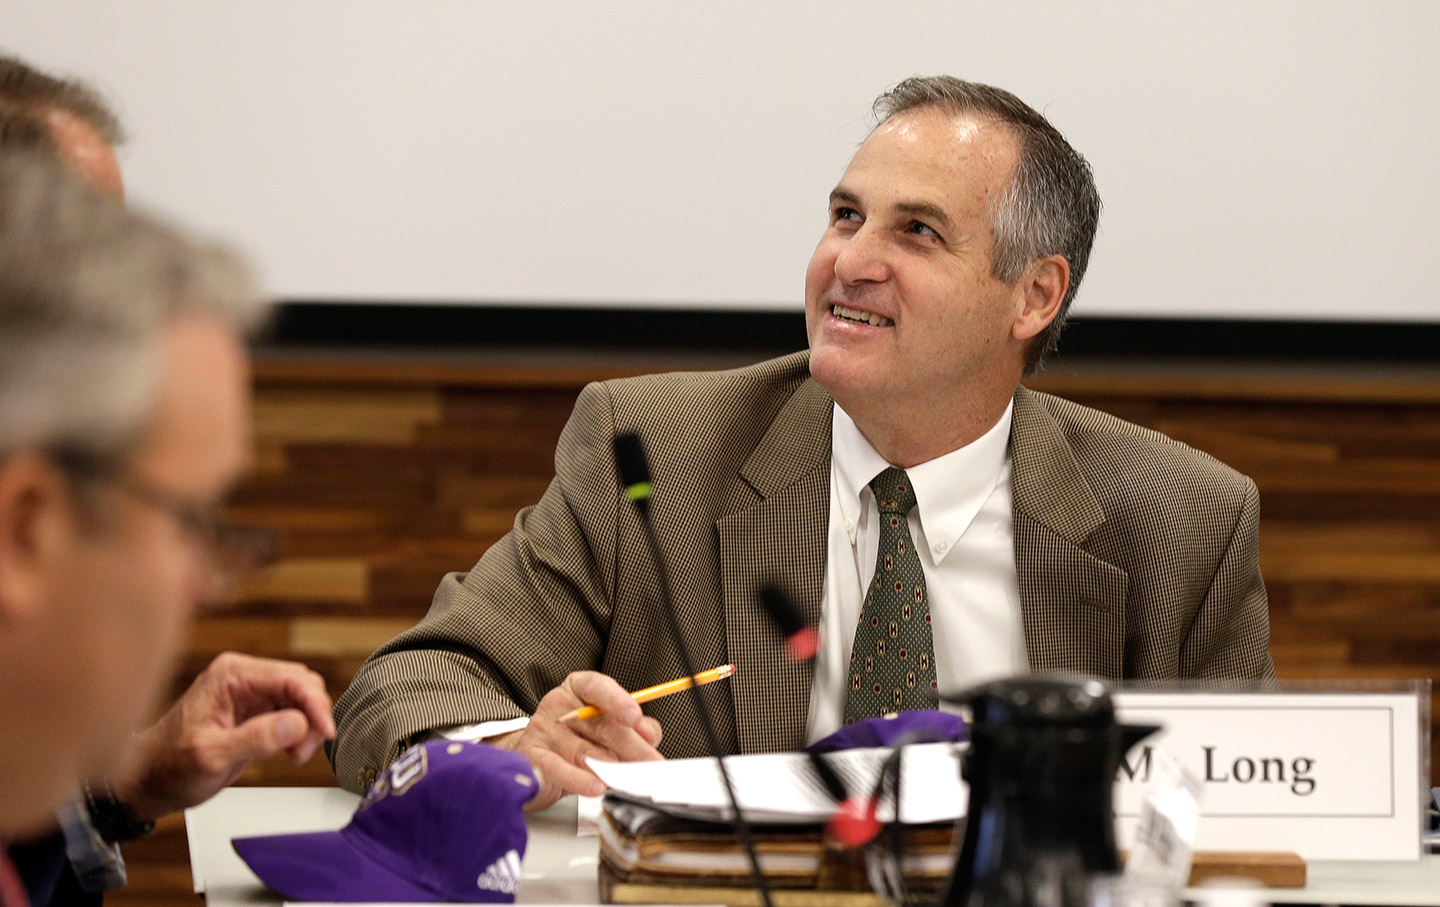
(380,477)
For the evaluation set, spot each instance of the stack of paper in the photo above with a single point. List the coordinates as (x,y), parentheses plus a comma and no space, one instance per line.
(783,788)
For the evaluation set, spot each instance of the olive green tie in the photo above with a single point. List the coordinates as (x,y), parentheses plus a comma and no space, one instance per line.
(892,664)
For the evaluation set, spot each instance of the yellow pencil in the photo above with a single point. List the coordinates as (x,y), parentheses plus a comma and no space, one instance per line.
(660,689)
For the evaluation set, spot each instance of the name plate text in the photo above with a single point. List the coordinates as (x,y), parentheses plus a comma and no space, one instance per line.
(1331,776)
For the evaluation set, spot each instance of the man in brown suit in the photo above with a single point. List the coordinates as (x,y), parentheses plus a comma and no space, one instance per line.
(957,237)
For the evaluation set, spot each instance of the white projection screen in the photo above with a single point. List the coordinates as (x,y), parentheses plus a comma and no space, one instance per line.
(1257,159)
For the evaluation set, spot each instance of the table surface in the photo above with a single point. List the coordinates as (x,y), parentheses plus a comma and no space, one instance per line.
(560,868)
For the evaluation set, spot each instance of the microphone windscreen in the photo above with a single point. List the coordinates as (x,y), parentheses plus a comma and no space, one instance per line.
(802,641)
(630,460)
(854,823)
(782,610)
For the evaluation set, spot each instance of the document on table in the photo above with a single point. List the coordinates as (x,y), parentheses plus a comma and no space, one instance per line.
(587,816)
(783,788)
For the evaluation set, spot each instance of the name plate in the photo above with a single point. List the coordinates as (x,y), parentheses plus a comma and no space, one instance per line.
(1331,776)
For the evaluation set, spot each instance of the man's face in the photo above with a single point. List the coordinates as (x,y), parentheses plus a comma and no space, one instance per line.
(131,581)
(909,246)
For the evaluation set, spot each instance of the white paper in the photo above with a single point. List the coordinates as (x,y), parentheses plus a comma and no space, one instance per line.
(782,787)
(587,816)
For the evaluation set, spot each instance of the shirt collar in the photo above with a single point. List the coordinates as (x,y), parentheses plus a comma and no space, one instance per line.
(949,490)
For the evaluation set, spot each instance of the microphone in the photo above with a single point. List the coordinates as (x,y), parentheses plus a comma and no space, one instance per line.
(853,823)
(802,641)
(634,470)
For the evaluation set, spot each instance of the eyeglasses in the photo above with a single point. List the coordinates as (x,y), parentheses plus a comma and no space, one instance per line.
(237,549)
(234,550)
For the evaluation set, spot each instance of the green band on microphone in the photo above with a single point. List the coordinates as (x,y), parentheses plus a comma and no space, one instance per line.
(640,491)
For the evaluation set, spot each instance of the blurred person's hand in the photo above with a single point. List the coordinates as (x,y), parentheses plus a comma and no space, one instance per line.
(239,709)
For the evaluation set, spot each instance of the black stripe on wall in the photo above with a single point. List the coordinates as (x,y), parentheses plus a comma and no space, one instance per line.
(338,325)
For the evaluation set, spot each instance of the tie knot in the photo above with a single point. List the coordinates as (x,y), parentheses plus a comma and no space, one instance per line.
(893,492)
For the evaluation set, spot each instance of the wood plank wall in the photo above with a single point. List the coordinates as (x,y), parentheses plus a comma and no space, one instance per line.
(383,476)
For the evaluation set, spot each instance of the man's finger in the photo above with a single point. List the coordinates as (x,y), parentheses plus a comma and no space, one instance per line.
(570,778)
(606,694)
(574,748)
(267,684)
(623,740)
(311,697)
(650,729)
(267,734)
(301,752)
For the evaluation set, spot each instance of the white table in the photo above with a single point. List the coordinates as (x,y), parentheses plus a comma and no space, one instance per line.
(560,868)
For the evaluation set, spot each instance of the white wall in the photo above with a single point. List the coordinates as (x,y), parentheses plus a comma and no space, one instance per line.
(1273,159)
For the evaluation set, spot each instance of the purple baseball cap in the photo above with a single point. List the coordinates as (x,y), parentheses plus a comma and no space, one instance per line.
(444,822)
(920,726)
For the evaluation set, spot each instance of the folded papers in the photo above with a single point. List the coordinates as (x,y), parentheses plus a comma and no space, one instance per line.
(781,788)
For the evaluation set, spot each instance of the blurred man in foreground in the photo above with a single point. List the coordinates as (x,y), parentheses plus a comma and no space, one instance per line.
(240,708)
(123,421)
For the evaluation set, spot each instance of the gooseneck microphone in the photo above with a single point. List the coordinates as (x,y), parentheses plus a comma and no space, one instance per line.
(854,823)
(634,469)
(802,640)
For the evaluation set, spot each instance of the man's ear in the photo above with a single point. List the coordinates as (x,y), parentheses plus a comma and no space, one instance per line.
(35,519)
(1042,288)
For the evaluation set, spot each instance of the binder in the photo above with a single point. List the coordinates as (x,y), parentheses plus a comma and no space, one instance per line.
(651,857)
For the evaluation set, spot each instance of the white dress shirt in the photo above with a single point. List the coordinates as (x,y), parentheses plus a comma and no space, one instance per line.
(963,533)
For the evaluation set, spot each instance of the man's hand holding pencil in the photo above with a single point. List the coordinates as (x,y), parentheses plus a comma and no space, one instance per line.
(589,715)
(667,688)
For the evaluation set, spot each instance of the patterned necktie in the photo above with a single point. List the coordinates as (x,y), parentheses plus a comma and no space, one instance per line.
(892,663)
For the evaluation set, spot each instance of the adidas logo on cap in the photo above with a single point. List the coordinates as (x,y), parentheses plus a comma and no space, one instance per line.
(503,875)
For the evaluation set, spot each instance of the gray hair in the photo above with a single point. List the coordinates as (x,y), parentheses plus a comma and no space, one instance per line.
(87,288)
(1051,206)
(23,84)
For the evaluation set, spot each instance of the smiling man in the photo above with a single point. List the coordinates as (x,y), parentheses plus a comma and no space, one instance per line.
(941,523)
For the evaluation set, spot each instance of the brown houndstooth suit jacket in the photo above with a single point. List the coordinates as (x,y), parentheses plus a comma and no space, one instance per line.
(1136,558)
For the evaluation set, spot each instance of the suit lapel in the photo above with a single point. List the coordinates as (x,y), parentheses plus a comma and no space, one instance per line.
(1072,603)
(776,531)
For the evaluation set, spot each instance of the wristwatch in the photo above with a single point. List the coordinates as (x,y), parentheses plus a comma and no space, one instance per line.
(112,819)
